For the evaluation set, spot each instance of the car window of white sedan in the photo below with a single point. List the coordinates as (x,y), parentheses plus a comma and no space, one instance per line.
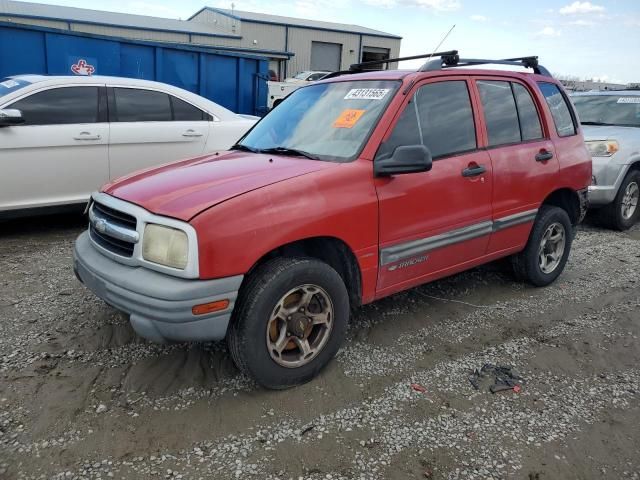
(60,106)
(134,105)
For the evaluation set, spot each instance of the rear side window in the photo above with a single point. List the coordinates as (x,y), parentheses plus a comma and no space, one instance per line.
(183,111)
(500,112)
(60,106)
(560,110)
(440,117)
(529,120)
(133,105)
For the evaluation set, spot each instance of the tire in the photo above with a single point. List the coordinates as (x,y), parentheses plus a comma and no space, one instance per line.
(612,215)
(527,265)
(255,323)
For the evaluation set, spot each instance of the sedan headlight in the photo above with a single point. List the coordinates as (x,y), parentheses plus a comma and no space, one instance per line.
(165,246)
(600,148)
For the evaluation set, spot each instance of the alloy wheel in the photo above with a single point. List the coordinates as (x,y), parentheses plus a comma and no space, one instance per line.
(552,248)
(630,200)
(300,326)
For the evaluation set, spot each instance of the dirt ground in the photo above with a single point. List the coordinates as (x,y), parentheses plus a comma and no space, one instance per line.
(82,397)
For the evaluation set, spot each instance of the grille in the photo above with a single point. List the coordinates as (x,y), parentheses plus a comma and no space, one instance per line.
(114,218)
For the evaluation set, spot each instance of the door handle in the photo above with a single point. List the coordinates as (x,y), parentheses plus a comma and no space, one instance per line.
(191,133)
(544,155)
(473,170)
(87,136)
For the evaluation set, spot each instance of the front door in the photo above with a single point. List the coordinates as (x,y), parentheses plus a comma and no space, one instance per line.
(435,222)
(59,154)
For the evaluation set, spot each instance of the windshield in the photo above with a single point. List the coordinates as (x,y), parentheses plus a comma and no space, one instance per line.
(301,76)
(327,121)
(623,110)
(9,85)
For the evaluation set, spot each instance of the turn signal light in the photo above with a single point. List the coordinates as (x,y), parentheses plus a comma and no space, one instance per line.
(210,307)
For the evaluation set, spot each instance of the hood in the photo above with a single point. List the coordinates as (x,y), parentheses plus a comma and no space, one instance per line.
(184,189)
(606,132)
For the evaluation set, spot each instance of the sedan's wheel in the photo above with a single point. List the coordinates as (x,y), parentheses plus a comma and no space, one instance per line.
(300,326)
(548,247)
(289,321)
(552,247)
(624,211)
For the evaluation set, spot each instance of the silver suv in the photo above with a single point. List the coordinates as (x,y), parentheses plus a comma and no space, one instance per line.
(611,126)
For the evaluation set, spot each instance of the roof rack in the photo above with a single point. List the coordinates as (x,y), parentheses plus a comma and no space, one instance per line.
(449,61)
(360,67)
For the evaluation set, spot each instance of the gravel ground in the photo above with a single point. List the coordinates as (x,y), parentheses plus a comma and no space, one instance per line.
(82,397)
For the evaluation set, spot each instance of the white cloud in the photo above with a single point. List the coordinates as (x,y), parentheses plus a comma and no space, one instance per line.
(581,7)
(479,18)
(154,10)
(582,23)
(549,32)
(437,5)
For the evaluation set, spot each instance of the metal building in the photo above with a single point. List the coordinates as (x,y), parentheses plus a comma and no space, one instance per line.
(303,44)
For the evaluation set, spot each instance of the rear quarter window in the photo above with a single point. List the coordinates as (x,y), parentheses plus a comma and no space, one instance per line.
(560,109)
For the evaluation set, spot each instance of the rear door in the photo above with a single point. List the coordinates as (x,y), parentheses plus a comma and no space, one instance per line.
(433,222)
(59,154)
(522,154)
(150,127)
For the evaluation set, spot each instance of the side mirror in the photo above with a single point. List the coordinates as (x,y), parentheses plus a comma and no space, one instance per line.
(10,116)
(405,159)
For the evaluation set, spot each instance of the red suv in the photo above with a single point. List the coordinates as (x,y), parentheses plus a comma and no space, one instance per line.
(354,188)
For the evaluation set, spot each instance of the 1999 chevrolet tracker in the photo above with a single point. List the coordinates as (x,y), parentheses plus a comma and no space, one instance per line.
(354,188)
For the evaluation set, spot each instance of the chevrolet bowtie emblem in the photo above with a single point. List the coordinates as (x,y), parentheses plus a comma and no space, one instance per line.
(101,225)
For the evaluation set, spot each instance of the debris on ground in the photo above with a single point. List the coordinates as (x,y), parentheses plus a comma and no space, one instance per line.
(418,388)
(504,378)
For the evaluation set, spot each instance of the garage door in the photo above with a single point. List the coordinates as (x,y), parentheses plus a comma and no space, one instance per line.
(325,56)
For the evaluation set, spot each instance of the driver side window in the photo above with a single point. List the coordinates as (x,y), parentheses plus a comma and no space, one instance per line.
(438,116)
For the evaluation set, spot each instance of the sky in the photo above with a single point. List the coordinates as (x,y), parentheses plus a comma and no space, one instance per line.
(589,40)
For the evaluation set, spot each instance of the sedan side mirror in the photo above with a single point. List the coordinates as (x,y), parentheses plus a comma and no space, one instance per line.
(10,116)
(405,159)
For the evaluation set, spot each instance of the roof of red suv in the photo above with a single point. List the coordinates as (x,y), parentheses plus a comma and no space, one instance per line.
(401,74)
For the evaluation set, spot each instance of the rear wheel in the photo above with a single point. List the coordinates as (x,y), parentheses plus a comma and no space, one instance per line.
(289,322)
(547,250)
(624,211)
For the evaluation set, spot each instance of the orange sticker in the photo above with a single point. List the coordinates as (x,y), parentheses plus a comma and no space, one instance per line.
(348,118)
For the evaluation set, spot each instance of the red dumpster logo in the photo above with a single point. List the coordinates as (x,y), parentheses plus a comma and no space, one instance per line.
(82,68)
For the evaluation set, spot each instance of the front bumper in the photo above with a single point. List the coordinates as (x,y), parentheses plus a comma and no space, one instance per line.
(159,305)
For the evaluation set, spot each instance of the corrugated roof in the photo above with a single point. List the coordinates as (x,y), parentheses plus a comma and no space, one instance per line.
(85,15)
(302,22)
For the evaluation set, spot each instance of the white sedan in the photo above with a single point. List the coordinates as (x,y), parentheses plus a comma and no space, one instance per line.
(61,138)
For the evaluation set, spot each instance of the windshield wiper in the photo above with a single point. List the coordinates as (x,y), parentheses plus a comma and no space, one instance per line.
(289,151)
(596,123)
(244,148)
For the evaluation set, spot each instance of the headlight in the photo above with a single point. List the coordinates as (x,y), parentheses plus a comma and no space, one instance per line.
(165,246)
(600,148)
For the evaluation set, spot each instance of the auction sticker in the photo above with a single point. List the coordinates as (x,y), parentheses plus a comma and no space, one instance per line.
(629,99)
(348,118)
(366,94)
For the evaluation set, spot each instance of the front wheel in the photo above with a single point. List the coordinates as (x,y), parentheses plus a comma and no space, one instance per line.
(547,250)
(624,211)
(290,321)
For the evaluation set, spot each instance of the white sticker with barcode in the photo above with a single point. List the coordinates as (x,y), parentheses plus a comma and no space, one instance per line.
(9,83)
(366,94)
(629,99)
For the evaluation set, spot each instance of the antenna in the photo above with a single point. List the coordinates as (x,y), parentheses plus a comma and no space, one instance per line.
(442,41)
